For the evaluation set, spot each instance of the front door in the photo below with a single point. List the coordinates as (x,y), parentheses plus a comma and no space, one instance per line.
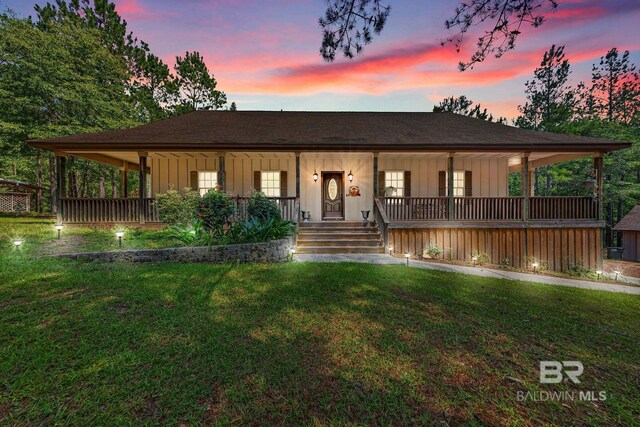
(332,195)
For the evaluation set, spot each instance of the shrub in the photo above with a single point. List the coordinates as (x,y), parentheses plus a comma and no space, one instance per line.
(482,258)
(431,251)
(261,208)
(194,234)
(505,263)
(216,210)
(253,230)
(175,208)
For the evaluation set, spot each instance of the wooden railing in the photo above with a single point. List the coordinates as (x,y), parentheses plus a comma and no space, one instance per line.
(289,207)
(550,208)
(124,210)
(381,219)
(77,210)
(488,208)
(415,208)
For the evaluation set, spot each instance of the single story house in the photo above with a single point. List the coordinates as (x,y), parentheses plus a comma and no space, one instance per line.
(630,228)
(426,178)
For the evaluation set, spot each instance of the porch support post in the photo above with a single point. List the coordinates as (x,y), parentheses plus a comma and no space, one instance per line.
(450,194)
(526,189)
(142,171)
(375,175)
(61,183)
(598,168)
(221,173)
(298,174)
(125,179)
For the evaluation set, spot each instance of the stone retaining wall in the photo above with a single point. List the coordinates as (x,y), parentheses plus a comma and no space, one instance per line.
(275,251)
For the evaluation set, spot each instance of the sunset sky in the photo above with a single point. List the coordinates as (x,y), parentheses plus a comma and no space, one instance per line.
(264,54)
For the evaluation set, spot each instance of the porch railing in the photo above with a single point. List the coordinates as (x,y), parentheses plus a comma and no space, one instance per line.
(124,210)
(77,210)
(488,208)
(289,207)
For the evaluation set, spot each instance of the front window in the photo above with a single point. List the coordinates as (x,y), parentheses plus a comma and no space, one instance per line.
(458,183)
(207,181)
(270,183)
(394,183)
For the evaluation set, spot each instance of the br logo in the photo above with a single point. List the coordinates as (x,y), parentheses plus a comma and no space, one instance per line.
(553,372)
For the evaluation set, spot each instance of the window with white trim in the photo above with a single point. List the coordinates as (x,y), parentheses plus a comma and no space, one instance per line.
(270,183)
(206,181)
(394,179)
(458,183)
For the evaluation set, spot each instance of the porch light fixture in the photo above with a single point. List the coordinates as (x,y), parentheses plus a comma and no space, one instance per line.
(350,176)
(598,273)
(616,272)
(407,256)
(59,228)
(18,242)
(534,265)
(119,235)
(315,176)
(474,259)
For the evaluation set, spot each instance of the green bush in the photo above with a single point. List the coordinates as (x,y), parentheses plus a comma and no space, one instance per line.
(481,258)
(261,208)
(431,252)
(194,234)
(216,210)
(175,208)
(255,231)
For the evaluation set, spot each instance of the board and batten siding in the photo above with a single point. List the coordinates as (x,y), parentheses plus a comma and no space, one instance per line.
(555,248)
(175,173)
(490,176)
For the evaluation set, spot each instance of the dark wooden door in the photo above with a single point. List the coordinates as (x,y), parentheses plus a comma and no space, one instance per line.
(332,195)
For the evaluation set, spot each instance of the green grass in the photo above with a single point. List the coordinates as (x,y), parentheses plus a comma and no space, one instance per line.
(41,237)
(95,344)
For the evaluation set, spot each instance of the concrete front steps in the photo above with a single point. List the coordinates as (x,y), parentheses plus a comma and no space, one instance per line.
(339,237)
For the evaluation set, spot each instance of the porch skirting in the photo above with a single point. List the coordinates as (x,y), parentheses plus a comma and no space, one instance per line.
(555,249)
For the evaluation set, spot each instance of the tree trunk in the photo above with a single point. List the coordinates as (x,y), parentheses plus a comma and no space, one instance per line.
(114,186)
(103,191)
(52,184)
(39,183)
(84,187)
(618,219)
(609,224)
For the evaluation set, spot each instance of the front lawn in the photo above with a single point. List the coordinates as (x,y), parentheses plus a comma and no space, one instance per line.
(41,238)
(95,344)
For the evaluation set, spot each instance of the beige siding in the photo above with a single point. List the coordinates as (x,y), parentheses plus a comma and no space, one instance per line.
(311,192)
(489,175)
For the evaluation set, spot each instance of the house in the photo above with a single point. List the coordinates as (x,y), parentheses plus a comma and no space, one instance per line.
(426,179)
(630,228)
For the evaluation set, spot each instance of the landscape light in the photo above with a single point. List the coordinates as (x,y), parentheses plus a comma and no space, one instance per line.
(534,265)
(474,259)
(390,249)
(350,176)
(119,235)
(598,273)
(616,272)
(18,242)
(59,227)
(315,176)
(292,251)
(407,256)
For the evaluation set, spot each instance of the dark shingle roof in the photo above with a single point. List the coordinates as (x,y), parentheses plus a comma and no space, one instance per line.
(273,130)
(631,221)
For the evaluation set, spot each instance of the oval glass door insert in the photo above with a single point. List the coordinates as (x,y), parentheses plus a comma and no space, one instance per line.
(333,189)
